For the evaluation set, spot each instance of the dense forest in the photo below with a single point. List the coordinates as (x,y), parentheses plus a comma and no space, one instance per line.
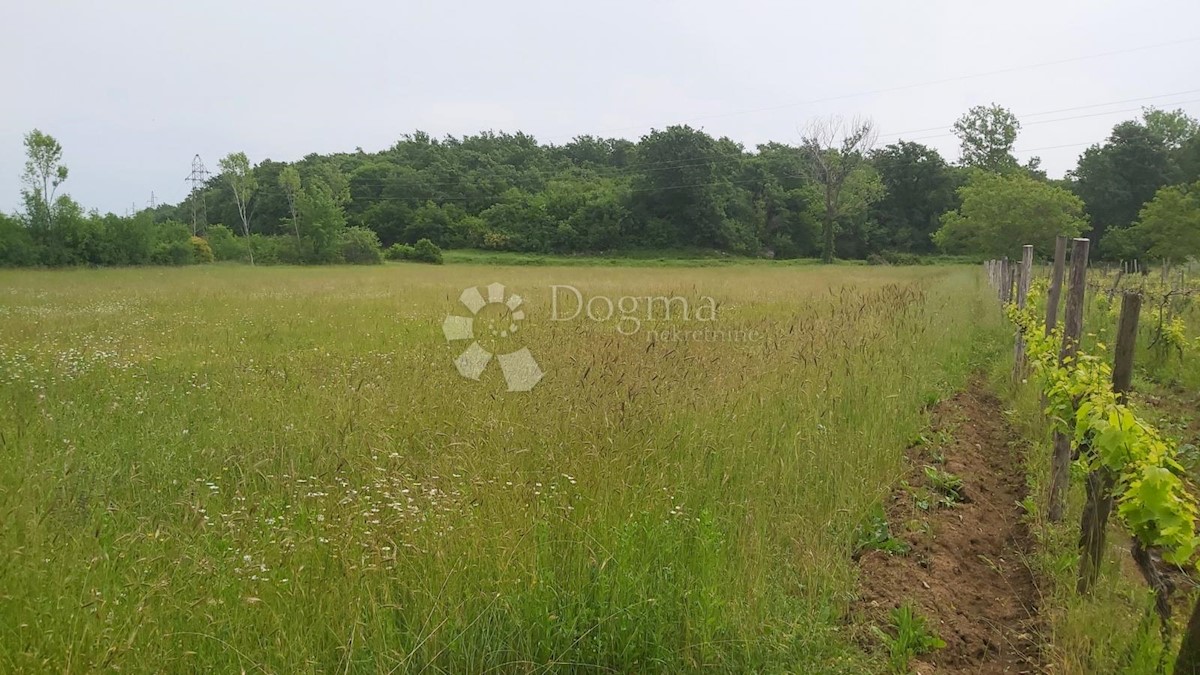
(833,194)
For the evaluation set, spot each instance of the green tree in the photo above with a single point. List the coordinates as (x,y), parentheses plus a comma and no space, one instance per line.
(435,222)
(836,150)
(1168,226)
(1116,177)
(74,239)
(858,233)
(986,135)
(131,240)
(289,182)
(783,200)
(44,172)
(321,214)
(919,186)
(521,220)
(16,246)
(235,170)
(1187,160)
(680,188)
(1173,128)
(1002,212)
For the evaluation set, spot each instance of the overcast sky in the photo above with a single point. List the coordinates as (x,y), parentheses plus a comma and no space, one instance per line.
(133,90)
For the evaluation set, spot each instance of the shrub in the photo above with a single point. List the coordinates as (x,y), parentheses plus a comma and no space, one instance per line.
(201,251)
(16,244)
(427,251)
(172,252)
(360,246)
(495,241)
(399,252)
(172,244)
(275,250)
(225,244)
(902,258)
(896,258)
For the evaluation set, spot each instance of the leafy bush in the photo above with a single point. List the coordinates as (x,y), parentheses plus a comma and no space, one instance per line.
(427,251)
(16,245)
(495,241)
(173,245)
(896,258)
(172,252)
(901,258)
(275,250)
(399,252)
(225,244)
(360,246)
(201,251)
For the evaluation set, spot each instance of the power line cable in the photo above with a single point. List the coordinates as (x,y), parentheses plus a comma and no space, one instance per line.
(927,83)
(1062,119)
(1059,110)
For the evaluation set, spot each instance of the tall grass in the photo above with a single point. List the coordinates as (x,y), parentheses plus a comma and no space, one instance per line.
(279,470)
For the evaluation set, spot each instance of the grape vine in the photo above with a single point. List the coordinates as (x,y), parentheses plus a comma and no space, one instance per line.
(1152,499)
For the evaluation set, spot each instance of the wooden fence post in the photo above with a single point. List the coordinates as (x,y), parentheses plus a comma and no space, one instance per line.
(1003,278)
(1060,467)
(1056,279)
(1094,523)
(1022,295)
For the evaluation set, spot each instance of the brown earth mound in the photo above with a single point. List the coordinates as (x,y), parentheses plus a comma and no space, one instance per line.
(966,572)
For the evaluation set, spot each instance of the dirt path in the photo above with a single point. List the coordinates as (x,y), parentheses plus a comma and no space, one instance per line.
(966,572)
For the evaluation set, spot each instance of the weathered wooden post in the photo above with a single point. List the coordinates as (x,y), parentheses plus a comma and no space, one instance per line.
(1056,279)
(1060,467)
(1003,286)
(1094,523)
(1022,296)
(1122,379)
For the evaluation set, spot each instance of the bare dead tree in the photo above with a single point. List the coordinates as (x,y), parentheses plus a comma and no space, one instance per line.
(836,148)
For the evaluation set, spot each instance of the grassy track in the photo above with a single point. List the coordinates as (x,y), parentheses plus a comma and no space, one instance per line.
(279,470)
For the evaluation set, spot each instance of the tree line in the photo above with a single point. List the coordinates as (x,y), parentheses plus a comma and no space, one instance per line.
(833,194)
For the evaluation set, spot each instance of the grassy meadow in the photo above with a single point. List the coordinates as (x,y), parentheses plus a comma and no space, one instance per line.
(235,469)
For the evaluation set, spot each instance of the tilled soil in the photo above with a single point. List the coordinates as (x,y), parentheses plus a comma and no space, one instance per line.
(966,572)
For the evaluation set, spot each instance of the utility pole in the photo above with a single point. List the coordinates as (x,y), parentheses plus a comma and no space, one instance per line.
(198,177)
